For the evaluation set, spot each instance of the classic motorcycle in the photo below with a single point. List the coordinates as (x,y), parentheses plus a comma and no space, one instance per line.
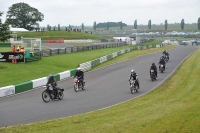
(133,86)
(49,94)
(78,85)
(153,75)
(161,68)
(166,58)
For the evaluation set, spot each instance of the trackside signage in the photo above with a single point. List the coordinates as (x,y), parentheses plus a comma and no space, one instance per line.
(8,56)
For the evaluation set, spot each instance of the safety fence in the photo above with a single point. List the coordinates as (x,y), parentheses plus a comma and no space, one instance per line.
(65,41)
(14,89)
(50,52)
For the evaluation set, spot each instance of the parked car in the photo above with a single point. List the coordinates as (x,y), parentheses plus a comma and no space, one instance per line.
(184,43)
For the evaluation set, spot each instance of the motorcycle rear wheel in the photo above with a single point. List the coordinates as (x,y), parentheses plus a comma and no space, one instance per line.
(61,94)
(46,97)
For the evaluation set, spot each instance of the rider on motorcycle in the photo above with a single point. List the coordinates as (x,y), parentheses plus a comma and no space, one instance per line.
(167,54)
(52,81)
(164,52)
(134,76)
(153,67)
(80,75)
(162,62)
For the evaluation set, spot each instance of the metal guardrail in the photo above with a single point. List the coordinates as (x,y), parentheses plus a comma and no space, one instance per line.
(67,50)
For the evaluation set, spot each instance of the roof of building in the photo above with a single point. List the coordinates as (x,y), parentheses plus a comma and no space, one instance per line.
(18,30)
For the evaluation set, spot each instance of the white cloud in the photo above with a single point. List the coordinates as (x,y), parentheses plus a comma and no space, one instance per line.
(76,12)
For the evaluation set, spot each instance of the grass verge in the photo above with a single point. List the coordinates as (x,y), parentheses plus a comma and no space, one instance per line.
(50,35)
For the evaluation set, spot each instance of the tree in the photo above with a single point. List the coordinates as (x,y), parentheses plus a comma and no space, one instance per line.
(22,15)
(111,24)
(4,30)
(149,24)
(182,24)
(94,26)
(135,24)
(58,26)
(121,25)
(166,24)
(198,23)
(82,27)
(107,25)
(49,27)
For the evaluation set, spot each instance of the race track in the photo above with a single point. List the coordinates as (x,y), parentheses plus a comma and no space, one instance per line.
(104,87)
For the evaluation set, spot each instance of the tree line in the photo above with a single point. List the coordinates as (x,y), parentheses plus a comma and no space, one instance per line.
(22,15)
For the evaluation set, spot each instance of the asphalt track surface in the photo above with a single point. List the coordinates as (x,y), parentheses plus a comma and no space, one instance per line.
(56,45)
(104,87)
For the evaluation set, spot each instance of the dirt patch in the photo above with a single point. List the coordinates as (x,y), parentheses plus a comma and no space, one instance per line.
(1,67)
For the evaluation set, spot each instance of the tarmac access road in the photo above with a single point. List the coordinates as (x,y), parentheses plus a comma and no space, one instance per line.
(105,87)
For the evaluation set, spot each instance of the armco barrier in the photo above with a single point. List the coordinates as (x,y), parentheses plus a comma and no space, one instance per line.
(109,57)
(86,66)
(103,59)
(57,77)
(43,41)
(7,90)
(72,72)
(13,89)
(39,82)
(54,41)
(23,87)
(64,75)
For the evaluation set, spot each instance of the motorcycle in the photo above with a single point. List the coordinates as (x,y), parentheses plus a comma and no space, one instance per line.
(153,75)
(133,86)
(166,58)
(49,94)
(161,68)
(78,85)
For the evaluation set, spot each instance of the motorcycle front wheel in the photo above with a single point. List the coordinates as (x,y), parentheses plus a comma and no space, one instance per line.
(45,96)
(132,90)
(76,87)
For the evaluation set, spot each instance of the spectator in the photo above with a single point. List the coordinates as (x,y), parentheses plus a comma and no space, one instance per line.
(18,48)
(22,50)
(13,49)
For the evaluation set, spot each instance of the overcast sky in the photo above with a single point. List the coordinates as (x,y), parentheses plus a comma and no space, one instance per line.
(76,12)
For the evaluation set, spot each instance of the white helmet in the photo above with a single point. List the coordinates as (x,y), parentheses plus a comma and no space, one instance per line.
(78,68)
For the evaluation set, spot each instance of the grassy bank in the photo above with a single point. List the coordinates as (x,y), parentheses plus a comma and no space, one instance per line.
(59,35)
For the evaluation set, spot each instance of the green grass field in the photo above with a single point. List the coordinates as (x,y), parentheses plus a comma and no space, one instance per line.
(49,35)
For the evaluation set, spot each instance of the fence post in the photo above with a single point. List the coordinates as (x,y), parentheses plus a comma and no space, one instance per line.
(50,52)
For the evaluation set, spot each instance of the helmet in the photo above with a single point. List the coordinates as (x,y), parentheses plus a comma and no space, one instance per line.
(50,76)
(132,71)
(153,64)
(79,69)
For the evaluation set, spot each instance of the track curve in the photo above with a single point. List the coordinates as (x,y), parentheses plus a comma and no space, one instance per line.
(104,87)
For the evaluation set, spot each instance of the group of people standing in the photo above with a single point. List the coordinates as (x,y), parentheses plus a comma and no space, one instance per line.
(18,49)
